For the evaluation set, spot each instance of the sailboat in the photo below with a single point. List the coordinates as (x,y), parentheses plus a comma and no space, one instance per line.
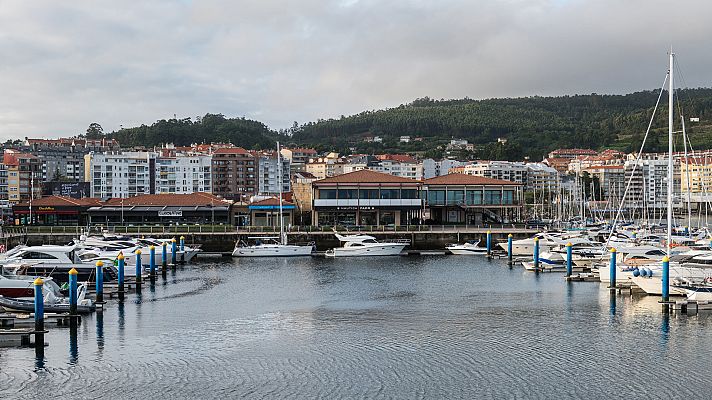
(273,246)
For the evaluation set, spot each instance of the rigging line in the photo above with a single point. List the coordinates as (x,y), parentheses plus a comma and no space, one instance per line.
(637,159)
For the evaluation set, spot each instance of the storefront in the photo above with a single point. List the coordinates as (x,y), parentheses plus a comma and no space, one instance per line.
(162,209)
(471,200)
(366,198)
(266,213)
(54,210)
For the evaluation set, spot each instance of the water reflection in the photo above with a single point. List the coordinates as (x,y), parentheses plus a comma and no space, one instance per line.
(612,305)
(73,341)
(100,330)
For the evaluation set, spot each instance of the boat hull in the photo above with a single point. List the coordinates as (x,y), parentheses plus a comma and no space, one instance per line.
(380,250)
(273,251)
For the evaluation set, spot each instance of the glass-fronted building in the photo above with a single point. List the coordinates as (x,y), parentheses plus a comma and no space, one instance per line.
(366,197)
(468,199)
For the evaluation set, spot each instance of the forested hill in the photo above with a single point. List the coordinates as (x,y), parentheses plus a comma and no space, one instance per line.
(532,126)
(209,128)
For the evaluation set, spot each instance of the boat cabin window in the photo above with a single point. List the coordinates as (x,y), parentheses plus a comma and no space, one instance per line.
(655,253)
(36,255)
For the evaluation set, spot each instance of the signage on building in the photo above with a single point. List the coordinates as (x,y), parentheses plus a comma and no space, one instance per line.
(178,213)
(356,208)
(46,208)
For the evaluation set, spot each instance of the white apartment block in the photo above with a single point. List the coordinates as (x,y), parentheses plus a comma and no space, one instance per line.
(120,174)
(505,170)
(269,174)
(541,177)
(648,187)
(402,169)
(183,173)
(433,168)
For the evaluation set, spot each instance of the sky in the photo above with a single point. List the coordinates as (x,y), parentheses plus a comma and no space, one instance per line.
(66,64)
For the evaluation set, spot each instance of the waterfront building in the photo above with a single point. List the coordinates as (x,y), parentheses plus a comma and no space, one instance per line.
(433,168)
(164,209)
(298,155)
(559,164)
(266,212)
(63,159)
(269,179)
(121,174)
(468,199)
(611,180)
(302,196)
(234,173)
(541,177)
(648,188)
(502,170)
(401,165)
(3,182)
(179,172)
(366,197)
(696,179)
(327,166)
(24,176)
(55,210)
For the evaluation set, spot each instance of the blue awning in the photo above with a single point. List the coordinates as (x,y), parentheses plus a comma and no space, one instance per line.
(275,208)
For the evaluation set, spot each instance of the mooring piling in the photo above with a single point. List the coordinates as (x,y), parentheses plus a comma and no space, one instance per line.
(99,282)
(174,251)
(666,279)
(152,261)
(73,291)
(139,270)
(612,272)
(164,257)
(489,243)
(39,316)
(536,254)
(122,272)
(569,261)
(509,250)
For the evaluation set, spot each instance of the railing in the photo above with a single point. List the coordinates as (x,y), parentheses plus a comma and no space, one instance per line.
(228,229)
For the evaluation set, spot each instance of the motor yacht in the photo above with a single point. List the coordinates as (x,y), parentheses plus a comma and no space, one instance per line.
(270,247)
(365,245)
(468,248)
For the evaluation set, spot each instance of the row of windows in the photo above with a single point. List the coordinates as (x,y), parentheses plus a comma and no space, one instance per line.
(368,194)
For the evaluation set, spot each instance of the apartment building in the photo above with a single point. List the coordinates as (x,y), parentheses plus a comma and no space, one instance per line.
(235,173)
(121,174)
(272,175)
(183,173)
(502,170)
(433,168)
(24,176)
(64,158)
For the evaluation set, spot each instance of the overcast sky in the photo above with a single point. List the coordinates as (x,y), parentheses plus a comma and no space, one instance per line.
(65,64)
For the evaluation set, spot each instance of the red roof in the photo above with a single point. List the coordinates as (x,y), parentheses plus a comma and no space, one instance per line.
(302,150)
(169,199)
(61,201)
(231,150)
(604,167)
(465,179)
(404,158)
(365,176)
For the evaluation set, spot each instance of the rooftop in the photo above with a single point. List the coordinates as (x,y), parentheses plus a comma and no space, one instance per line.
(231,150)
(169,199)
(61,201)
(465,179)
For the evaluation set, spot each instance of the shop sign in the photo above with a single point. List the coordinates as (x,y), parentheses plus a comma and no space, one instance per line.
(178,213)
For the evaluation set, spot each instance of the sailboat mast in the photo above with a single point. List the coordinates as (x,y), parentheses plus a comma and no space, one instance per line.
(670,161)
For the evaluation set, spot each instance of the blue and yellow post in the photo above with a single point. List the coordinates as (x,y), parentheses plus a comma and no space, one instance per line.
(666,279)
(39,305)
(536,253)
(509,249)
(139,269)
(489,243)
(174,252)
(99,282)
(73,291)
(152,261)
(569,261)
(122,272)
(613,271)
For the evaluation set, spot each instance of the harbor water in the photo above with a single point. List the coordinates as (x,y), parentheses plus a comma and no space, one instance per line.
(398,327)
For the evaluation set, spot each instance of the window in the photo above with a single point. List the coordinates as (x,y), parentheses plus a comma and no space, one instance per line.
(327,193)
(368,194)
(474,197)
(33,255)
(455,196)
(493,197)
(436,197)
(508,197)
(390,193)
(409,193)
(348,194)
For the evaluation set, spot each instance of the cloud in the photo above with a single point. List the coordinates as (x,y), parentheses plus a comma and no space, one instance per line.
(67,64)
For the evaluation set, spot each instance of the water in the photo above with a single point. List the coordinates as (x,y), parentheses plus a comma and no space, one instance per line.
(403,327)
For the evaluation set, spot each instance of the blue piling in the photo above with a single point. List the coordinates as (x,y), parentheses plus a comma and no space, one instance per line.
(612,272)
(666,279)
(99,282)
(164,257)
(152,261)
(39,319)
(182,243)
(569,261)
(174,251)
(687,231)
(122,272)
(489,243)
(536,254)
(73,291)
(509,249)
(139,269)
(39,307)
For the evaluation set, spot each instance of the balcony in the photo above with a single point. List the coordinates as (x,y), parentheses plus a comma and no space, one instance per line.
(367,202)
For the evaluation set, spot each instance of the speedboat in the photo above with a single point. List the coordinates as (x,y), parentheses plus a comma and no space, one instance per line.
(17,293)
(649,279)
(468,248)
(525,247)
(270,247)
(365,245)
(23,287)
(548,261)
(54,261)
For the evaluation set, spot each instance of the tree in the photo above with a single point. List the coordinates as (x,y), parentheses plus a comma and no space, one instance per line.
(95,131)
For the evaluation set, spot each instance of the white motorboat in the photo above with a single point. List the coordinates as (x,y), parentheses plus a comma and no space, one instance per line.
(649,279)
(525,247)
(55,261)
(548,261)
(23,287)
(365,245)
(468,248)
(270,247)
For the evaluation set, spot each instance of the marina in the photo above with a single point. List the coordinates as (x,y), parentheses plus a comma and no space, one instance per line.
(440,326)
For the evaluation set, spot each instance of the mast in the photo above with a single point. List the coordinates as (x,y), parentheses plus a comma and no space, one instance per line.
(282,236)
(687,178)
(670,162)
